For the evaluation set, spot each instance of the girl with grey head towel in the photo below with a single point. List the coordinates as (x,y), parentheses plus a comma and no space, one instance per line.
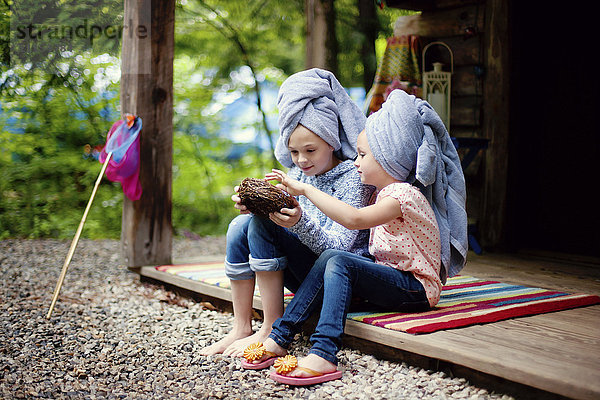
(318,124)
(403,143)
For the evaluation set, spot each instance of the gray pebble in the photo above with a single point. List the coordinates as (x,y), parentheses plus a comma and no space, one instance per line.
(111,336)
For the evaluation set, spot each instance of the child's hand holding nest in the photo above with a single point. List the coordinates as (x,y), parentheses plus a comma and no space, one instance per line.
(262,198)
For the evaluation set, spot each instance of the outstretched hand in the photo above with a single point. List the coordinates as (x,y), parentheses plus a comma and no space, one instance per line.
(292,186)
(286,217)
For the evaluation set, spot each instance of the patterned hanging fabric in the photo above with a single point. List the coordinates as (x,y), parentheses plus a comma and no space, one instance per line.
(399,69)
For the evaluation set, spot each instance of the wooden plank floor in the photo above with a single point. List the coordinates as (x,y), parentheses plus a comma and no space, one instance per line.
(548,355)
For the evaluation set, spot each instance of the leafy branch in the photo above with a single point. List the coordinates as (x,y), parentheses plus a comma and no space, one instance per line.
(226,29)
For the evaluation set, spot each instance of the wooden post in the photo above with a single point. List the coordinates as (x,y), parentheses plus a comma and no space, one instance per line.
(147,91)
(496,123)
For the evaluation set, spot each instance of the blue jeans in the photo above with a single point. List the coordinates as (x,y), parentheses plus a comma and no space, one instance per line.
(258,244)
(329,286)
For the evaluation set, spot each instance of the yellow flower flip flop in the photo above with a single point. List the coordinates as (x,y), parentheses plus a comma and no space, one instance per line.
(256,351)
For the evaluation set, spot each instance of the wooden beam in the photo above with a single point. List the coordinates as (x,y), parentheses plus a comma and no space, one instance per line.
(147,91)
(440,24)
(368,27)
(495,123)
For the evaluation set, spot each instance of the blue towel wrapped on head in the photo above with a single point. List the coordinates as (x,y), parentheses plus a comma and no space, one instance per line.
(411,143)
(315,99)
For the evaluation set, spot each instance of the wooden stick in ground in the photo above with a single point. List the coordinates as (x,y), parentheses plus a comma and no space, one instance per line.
(76,237)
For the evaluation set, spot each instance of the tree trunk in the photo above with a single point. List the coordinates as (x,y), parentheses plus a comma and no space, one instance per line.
(321,40)
(147,91)
(368,25)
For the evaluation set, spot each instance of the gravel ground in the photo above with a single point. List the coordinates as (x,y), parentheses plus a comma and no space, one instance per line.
(111,336)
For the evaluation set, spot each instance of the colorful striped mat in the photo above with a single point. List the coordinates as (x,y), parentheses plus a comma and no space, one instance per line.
(212,273)
(465,300)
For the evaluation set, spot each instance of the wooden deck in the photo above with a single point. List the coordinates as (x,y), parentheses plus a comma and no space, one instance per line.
(554,355)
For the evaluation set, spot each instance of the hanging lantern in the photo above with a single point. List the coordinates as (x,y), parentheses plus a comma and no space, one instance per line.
(436,85)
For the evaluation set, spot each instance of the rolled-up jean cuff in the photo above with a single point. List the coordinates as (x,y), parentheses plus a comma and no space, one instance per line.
(280,341)
(238,271)
(326,356)
(268,264)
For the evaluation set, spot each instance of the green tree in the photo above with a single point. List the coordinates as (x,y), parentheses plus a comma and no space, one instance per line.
(58,98)
(49,126)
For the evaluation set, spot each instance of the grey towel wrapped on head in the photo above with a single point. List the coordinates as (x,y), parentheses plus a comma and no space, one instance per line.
(315,99)
(411,143)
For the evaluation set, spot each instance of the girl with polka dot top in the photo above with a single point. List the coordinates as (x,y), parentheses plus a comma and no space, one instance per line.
(404,275)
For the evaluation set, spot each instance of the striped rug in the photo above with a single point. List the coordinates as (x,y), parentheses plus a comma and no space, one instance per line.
(465,300)
(212,273)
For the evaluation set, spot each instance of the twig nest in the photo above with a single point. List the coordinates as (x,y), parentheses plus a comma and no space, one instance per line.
(262,198)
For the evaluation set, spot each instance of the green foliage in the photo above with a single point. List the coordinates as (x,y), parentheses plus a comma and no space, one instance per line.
(273,33)
(58,98)
(47,123)
(204,180)
(223,36)
(42,31)
(46,198)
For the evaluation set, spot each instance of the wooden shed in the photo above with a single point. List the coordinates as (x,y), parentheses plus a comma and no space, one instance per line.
(523,80)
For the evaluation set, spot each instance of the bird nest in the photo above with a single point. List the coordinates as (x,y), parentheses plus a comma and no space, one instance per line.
(262,198)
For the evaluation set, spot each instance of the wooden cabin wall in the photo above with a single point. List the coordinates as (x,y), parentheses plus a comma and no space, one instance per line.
(536,103)
(461,25)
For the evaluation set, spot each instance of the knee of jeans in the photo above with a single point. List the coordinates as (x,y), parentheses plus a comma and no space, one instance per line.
(259,225)
(238,272)
(328,253)
(238,227)
(325,257)
(335,265)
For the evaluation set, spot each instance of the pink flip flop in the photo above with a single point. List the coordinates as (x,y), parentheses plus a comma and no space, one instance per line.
(285,365)
(316,377)
(261,365)
(255,352)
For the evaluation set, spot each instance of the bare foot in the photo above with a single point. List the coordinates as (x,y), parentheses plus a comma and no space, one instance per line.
(314,362)
(236,349)
(220,346)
